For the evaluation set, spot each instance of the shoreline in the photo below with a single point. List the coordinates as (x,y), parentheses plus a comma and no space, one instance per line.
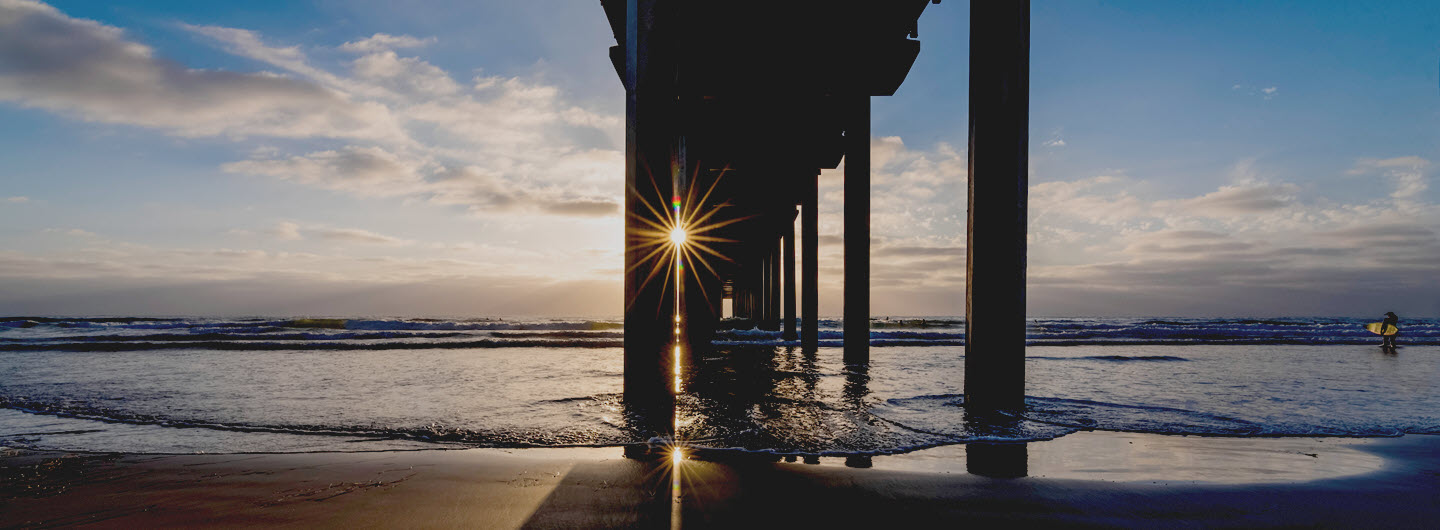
(1082,479)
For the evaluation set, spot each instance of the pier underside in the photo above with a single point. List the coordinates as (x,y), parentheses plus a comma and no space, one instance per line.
(732,110)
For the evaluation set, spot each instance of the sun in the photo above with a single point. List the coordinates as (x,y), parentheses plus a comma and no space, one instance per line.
(680,240)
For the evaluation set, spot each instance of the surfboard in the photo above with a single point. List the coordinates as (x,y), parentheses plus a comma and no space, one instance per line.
(1375,327)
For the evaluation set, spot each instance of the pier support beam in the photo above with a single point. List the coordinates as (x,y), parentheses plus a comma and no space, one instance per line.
(998,169)
(775,305)
(787,229)
(766,286)
(649,304)
(857,230)
(809,264)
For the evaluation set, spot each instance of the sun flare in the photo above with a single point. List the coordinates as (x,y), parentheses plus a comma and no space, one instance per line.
(680,241)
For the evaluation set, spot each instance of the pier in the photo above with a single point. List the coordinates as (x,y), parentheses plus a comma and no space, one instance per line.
(732,111)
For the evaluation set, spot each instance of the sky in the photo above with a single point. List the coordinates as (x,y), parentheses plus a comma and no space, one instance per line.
(462,158)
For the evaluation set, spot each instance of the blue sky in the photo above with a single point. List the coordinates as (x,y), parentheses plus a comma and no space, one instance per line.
(464,158)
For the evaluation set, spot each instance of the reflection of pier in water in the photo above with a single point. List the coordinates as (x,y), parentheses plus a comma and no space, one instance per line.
(732,110)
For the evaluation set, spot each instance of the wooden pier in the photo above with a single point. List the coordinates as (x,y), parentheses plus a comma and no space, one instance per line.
(732,110)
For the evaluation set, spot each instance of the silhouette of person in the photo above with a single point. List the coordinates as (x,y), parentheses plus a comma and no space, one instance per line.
(1388,341)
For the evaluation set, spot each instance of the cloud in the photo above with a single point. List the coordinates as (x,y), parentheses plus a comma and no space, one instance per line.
(1248,248)
(1408,173)
(917,251)
(405,120)
(1235,200)
(124,278)
(365,171)
(404,75)
(1178,242)
(90,71)
(1088,201)
(286,230)
(500,145)
(290,231)
(483,191)
(73,232)
(582,207)
(382,42)
(372,171)
(1266,93)
(17,199)
(357,235)
(1055,139)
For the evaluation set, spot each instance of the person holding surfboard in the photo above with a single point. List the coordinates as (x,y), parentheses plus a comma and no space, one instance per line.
(1387,329)
(1389,338)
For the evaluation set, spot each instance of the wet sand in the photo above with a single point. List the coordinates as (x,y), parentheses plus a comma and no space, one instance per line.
(1085,479)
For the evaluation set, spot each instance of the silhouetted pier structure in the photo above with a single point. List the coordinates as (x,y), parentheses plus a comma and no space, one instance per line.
(732,110)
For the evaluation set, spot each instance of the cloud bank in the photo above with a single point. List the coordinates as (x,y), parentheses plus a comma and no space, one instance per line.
(401,125)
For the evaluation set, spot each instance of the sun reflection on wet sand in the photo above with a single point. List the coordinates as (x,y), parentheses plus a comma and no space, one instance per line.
(683,235)
(677,455)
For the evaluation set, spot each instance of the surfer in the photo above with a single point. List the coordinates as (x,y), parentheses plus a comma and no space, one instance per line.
(1387,342)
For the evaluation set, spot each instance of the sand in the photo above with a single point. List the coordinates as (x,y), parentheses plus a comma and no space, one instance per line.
(1085,479)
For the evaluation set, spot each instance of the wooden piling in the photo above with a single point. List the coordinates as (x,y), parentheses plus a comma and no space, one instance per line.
(998,172)
(809,265)
(788,247)
(649,305)
(857,230)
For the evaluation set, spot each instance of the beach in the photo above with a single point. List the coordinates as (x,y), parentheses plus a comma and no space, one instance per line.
(1373,482)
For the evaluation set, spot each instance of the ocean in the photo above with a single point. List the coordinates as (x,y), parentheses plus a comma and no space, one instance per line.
(188,385)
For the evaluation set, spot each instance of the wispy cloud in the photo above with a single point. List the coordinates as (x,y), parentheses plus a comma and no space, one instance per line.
(357,235)
(365,171)
(286,230)
(1253,244)
(91,71)
(404,123)
(1407,173)
(291,231)
(73,232)
(382,42)
(1266,93)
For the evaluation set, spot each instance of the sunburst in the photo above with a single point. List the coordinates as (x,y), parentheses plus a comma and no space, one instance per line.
(682,237)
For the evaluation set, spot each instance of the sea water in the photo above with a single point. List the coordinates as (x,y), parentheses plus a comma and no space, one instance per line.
(168,385)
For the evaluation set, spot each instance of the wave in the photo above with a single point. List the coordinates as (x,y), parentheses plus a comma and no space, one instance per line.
(599,341)
(26,333)
(434,432)
(58,320)
(281,336)
(1114,358)
(268,334)
(944,413)
(337,346)
(891,426)
(410,324)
